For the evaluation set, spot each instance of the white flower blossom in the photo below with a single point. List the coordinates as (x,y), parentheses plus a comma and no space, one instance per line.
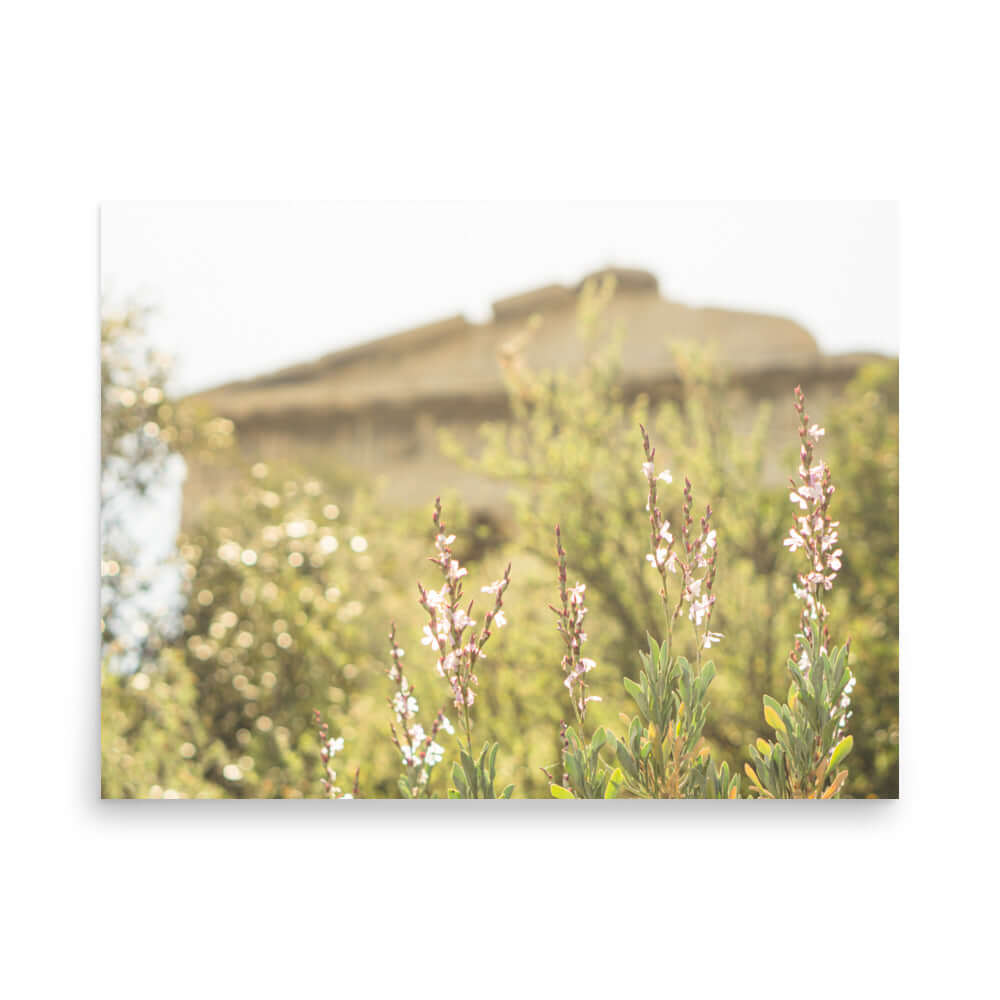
(659,560)
(408,707)
(430,639)
(700,608)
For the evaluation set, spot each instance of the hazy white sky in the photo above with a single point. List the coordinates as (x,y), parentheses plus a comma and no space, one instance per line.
(244,288)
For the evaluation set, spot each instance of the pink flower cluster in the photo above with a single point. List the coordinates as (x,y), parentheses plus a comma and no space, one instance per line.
(814,532)
(696,553)
(445,633)
(570,625)
(328,749)
(419,750)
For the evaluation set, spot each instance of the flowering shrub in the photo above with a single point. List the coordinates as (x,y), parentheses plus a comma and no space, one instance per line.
(810,739)
(568,455)
(328,749)
(457,659)
(662,753)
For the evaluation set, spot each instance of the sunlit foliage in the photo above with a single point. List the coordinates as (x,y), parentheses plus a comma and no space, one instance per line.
(292,577)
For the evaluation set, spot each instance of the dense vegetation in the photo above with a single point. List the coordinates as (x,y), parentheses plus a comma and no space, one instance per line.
(291,581)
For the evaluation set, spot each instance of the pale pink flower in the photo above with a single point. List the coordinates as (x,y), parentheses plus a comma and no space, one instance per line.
(794,541)
(437,598)
(712,637)
(699,608)
(461,620)
(666,477)
(659,560)
(407,706)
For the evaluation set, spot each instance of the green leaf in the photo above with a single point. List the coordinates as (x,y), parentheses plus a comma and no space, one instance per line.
(707,675)
(843,748)
(558,792)
(626,760)
(773,719)
(654,649)
(575,771)
(615,783)
(507,792)
(470,772)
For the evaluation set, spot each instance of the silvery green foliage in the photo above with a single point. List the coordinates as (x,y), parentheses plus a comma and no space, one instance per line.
(585,775)
(809,741)
(663,754)
(474,778)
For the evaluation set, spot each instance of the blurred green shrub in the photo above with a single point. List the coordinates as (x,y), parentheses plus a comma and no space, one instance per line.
(287,615)
(154,742)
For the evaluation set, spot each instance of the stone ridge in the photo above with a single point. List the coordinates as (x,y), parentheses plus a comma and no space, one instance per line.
(453,358)
(380,404)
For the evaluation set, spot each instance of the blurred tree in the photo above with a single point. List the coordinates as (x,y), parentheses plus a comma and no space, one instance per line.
(142,471)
